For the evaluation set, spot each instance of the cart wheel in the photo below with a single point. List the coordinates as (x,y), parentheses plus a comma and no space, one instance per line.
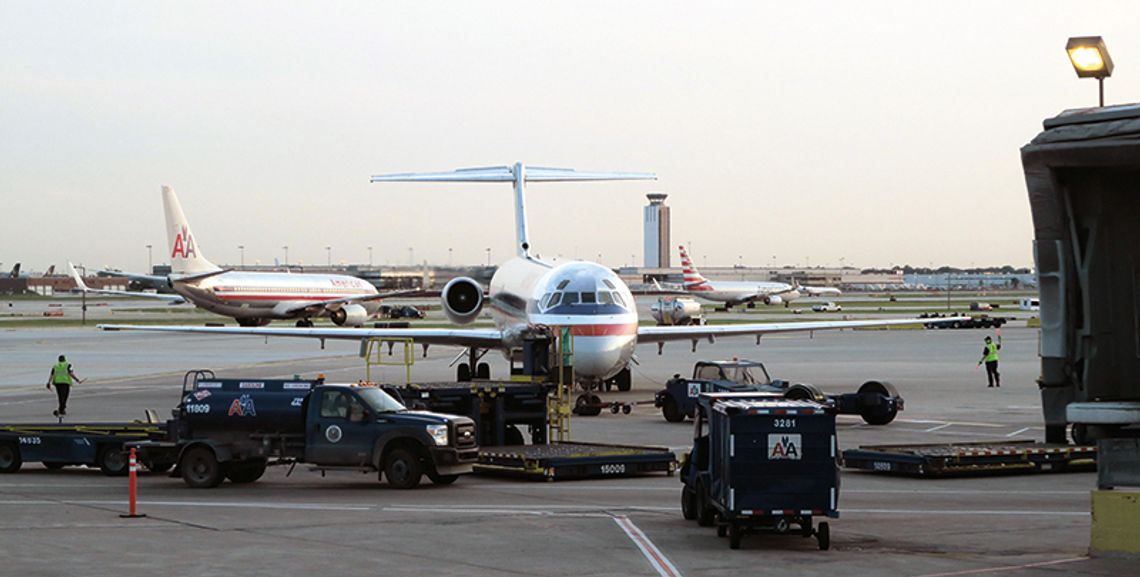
(872,414)
(615,408)
(626,409)
(113,461)
(671,411)
(688,504)
(721,530)
(10,459)
(735,532)
(823,535)
(706,515)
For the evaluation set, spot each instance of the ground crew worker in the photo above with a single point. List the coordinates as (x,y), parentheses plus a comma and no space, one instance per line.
(61,376)
(990,358)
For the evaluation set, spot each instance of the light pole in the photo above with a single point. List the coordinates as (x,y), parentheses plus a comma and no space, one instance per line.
(241,248)
(369,257)
(328,255)
(149,260)
(488,256)
(1090,59)
(286,247)
(449,257)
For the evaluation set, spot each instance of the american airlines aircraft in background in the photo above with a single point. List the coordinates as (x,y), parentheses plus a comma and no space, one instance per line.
(256,298)
(744,292)
(528,293)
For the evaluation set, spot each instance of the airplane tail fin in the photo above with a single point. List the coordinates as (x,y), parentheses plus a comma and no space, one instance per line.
(692,275)
(82,286)
(15,271)
(185,257)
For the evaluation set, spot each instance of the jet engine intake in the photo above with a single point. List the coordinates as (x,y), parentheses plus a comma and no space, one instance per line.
(773,300)
(352,315)
(462,300)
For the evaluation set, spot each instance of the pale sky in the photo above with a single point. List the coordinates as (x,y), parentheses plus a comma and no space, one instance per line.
(877,132)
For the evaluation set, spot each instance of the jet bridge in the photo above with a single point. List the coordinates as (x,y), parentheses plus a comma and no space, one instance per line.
(1083,176)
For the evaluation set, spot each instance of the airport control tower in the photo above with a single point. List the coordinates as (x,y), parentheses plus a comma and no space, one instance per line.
(657,241)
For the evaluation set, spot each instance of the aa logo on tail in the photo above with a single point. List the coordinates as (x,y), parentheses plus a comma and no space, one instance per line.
(184,245)
(788,447)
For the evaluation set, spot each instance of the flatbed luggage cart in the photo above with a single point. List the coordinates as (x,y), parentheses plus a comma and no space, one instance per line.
(497,407)
(564,461)
(61,445)
(960,459)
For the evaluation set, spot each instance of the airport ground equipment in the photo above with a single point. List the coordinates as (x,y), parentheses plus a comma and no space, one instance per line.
(233,428)
(971,322)
(569,460)
(878,402)
(760,464)
(64,445)
(965,459)
(499,409)
(669,311)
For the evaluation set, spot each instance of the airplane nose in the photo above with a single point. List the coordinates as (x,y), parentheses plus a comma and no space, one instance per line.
(601,357)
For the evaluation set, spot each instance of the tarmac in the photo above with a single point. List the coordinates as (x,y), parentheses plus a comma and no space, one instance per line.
(67,522)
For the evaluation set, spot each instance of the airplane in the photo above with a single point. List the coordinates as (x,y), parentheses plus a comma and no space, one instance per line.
(256,298)
(83,288)
(15,272)
(527,293)
(744,292)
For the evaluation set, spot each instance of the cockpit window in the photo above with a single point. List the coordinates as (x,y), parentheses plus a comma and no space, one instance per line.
(552,300)
(609,284)
(605,298)
(618,300)
(563,284)
(569,298)
(589,298)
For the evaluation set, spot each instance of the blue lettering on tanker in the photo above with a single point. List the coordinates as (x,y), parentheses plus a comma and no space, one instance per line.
(242,407)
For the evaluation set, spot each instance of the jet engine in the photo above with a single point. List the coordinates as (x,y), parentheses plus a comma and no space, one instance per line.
(352,315)
(676,311)
(773,300)
(462,300)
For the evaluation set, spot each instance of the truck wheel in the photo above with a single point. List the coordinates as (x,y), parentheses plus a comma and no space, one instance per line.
(241,472)
(463,373)
(823,535)
(10,459)
(706,515)
(113,461)
(1080,434)
(201,469)
(402,468)
(688,503)
(442,479)
(671,412)
(873,414)
(588,405)
(735,532)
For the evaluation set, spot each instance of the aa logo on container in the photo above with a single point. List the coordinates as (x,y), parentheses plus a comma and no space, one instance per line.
(785,446)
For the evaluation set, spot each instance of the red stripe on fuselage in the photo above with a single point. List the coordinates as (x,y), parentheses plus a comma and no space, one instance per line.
(299,297)
(603,330)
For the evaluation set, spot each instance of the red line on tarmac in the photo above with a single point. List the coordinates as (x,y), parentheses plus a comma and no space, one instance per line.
(654,555)
(1005,568)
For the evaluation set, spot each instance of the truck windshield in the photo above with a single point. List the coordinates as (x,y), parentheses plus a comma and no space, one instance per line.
(380,401)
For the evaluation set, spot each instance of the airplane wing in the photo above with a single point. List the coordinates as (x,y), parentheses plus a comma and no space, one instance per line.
(507,174)
(480,338)
(313,306)
(664,334)
(820,291)
(82,286)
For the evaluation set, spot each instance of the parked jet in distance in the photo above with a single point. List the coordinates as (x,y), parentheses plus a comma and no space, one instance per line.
(744,292)
(15,273)
(83,288)
(256,298)
(527,293)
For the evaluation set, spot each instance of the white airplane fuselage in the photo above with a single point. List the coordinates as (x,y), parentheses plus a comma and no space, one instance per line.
(739,292)
(266,295)
(604,329)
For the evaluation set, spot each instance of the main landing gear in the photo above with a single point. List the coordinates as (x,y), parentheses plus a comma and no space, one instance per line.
(463,372)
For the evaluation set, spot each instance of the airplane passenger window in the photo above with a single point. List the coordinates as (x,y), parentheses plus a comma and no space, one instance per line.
(589,298)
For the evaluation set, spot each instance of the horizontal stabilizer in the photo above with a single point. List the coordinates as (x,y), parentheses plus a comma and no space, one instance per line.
(507,174)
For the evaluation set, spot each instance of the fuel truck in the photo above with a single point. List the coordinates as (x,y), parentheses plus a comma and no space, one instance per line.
(234,428)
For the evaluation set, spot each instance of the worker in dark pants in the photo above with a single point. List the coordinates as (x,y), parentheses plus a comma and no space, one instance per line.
(61,377)
(990,358)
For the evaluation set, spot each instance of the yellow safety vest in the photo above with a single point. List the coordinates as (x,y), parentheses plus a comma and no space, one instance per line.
(991,353)
(60,374)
